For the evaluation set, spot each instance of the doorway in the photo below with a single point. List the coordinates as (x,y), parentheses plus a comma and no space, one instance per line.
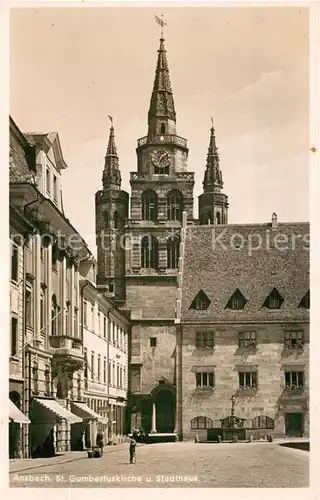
(294,424)
(165,411)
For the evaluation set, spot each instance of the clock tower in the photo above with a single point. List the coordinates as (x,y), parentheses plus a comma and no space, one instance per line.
(161,190)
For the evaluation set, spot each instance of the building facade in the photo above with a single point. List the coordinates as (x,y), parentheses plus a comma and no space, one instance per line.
(140,261)
(105,338)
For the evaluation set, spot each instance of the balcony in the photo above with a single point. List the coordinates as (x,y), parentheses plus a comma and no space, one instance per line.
(67,353)
(145,176)
(163,139)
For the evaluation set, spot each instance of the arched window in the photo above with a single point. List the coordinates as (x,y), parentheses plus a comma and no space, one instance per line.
(201,423)
(54,312)
(149,201)
(163,129)
(35,377)
(105,219)
(149,252)
(218,218)
(174,205)
(173,246)
(116,220)
(47,380)
(262,422)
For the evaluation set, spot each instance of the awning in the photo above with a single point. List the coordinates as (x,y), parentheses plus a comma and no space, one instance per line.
(85,412)
(47,410)
(15,415)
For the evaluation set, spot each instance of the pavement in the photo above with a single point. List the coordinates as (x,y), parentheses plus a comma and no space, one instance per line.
(167,465)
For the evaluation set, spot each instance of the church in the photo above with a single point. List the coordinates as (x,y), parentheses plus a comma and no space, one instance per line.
(219,312)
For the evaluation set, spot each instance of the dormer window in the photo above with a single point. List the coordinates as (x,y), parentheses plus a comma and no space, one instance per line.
(305,301)
(201,301)
(236,301)
(274,300)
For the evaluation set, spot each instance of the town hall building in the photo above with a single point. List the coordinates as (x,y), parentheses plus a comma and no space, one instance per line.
(215,331)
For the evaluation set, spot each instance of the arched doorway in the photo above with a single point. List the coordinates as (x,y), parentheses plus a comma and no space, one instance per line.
(14,428)
(165,411)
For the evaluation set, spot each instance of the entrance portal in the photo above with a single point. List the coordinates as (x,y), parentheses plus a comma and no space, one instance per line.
(165,411)
(294,424)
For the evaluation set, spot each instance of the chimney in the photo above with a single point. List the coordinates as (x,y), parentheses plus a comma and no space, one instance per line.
(274,221)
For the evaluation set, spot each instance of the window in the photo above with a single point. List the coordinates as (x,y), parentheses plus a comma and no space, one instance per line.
(293,339)
(153,341)
(236,301)
(48,184)
(85,355)
(174,206)
(116,220)
(99,323)
(124,378)
(247,339)
(149,252)
(92,317)
(274,300)
(218,218)
(118,336)
(201,423)
(204,380)
(75,322)
(118,375)
(104,370)
(201,301)
(29,307)
(55,188)
(35,378)
(294,380)
(105,219)
(41,251)
(99,368)
(204,339)
(104,327)
(305,301)
(47,380)
(263,423)
(149,202)
(114,329)
(14,262)
(92,365)
(248,380)
(54,256)
(79,387)
(162,129)
(120,381)
(41,313)
(54,313)
(113,374)
(85,316)
(14,336)
(109,374)
(173,247)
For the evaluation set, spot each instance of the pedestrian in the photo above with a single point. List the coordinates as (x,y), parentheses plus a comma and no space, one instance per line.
(132,448)
(99,442)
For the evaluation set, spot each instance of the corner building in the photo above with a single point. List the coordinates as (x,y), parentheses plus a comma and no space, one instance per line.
(141,259)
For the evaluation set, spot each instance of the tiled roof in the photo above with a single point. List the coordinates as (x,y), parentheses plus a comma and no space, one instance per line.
(214,264)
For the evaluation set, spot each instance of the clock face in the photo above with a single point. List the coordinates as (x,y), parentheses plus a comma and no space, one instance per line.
(161,159)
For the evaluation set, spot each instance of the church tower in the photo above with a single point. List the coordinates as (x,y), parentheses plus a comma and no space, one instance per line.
(213,203)
(161,190)
(111,215)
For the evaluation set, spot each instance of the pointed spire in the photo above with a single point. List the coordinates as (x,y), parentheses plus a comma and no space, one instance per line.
(111,174)
(213,175)
(161,103)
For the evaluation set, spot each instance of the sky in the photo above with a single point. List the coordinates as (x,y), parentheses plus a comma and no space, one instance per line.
(246,67)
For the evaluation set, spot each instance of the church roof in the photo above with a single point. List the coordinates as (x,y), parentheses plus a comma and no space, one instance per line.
(162,103)
(214,262)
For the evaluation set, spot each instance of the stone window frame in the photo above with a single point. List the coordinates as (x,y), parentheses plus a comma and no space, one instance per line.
(291,378)
(153,340)
(201,422)
(205,343)
(14,262)
(201,376)
(257,422)
(247,339)
(294,339)
(250,377)
(14,334)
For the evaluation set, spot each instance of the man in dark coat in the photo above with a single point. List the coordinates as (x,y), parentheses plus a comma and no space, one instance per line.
(99,441)
(132,447)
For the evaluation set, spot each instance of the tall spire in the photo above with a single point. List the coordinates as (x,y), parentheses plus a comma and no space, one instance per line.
(213,176)
(162,110)
(111,174)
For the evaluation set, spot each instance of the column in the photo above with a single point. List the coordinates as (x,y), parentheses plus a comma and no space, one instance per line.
(154,419)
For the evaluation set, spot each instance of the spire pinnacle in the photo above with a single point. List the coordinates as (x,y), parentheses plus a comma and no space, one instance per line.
(213,174)
(111,174)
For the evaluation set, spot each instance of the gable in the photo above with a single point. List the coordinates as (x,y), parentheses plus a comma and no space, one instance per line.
(200,302)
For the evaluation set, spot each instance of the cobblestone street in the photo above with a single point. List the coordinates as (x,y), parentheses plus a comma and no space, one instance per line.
(237,465)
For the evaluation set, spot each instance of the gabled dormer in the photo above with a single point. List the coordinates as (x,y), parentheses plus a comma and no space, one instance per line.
(236,301)
(305,301)
(201,302)
(274,300)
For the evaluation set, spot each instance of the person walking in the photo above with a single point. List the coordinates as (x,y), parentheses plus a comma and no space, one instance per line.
(99,442)
(132,448)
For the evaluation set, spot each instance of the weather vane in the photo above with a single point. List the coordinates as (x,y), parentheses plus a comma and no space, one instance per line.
(160,21)
(111,119)
(211,121)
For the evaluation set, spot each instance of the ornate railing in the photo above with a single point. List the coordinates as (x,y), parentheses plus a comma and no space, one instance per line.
(65,342)
(163,139)
(189,176)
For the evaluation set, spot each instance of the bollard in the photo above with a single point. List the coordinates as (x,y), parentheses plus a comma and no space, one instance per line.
(250,438)
(196,438)
(270,438)
(219,438)
(234,438)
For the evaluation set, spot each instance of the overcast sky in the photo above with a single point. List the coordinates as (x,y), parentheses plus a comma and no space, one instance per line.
(246,67)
